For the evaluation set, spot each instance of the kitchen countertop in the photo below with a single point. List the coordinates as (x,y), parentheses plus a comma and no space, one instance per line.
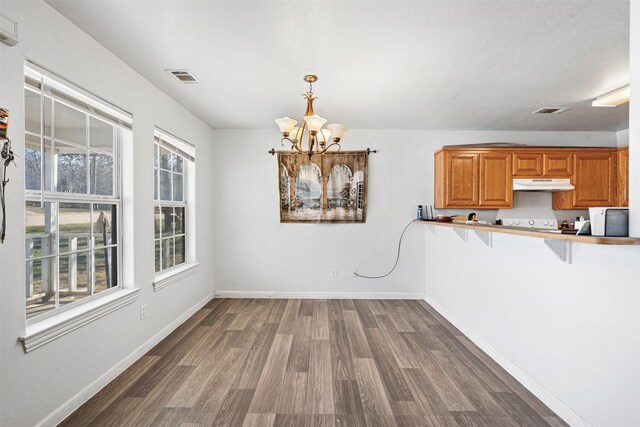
(542,234)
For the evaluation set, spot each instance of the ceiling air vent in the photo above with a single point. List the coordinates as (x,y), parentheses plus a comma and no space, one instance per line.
(552,110)
(183,76)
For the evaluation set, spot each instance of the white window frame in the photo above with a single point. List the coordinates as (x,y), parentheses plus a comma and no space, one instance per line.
(47,326)
(175,145)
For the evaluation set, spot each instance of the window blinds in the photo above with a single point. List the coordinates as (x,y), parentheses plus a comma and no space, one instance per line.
(43,81)
(175,144)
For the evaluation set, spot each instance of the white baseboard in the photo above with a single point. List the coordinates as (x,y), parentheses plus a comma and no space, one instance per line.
(318,295)
(557,406)
(88,392)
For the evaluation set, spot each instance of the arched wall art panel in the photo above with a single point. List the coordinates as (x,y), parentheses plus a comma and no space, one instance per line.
(330,187)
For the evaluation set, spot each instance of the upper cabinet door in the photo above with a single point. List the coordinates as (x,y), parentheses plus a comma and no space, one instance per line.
(527,164)
(623,177)
(496,182)
(461,179)
(558,165)
(595,179)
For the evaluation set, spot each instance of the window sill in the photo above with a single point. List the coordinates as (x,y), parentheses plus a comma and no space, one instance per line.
(52,328)
(173,275)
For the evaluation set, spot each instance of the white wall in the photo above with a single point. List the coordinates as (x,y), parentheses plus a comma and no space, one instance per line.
(36,384)
(256,255)
(634,121)
(622,138)
(567,331)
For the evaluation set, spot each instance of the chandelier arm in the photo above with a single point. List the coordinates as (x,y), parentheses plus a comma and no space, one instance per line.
(301,133)
(324,140)
(293,144)
(295,147)
(331,145)
(285,139)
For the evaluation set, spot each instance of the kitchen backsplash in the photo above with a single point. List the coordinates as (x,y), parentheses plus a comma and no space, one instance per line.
(535,204)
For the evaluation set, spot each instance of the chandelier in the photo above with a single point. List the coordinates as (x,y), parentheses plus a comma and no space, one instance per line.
(318,140)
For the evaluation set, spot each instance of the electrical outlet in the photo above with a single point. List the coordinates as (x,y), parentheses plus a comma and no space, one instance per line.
(143,311)
(333,273)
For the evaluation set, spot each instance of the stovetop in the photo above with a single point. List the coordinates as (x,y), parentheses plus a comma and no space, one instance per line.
(549,224)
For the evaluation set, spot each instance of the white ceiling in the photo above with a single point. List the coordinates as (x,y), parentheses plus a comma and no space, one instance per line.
(481,65)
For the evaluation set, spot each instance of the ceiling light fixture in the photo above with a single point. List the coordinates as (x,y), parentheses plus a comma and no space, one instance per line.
(614,98)
(316,137)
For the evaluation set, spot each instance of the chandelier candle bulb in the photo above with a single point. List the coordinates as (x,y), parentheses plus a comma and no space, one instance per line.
(286,124)
(314,123)
(323,136)
(337,131)
(294,133)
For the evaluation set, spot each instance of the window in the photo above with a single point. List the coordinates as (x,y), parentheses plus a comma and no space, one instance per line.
(173,162)
(72,194)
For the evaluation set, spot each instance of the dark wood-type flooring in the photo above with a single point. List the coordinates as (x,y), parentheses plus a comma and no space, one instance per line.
(262,362)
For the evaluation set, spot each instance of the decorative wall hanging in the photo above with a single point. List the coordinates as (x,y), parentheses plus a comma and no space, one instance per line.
(330,187)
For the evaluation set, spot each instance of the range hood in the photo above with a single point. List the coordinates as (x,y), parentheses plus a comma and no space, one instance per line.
(542,184)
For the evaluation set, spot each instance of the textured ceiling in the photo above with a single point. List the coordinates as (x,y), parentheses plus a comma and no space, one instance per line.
(382,65)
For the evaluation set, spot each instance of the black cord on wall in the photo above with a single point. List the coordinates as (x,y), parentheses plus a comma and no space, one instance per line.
(397,256)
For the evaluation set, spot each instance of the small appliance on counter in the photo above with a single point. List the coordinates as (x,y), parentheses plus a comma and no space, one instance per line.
(426,209)
(425,213)
(584,228)
(610,222)
(580,221)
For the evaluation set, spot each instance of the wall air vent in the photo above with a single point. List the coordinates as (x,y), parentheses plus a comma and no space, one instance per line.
(183,76)
(552,110)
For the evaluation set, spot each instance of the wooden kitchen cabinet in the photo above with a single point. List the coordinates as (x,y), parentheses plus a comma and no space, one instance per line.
(527,165)
(496,182)
(547,164)
(623,177)
(595,181)
(482,177)
(468,179)
(456,176)
(557,164)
